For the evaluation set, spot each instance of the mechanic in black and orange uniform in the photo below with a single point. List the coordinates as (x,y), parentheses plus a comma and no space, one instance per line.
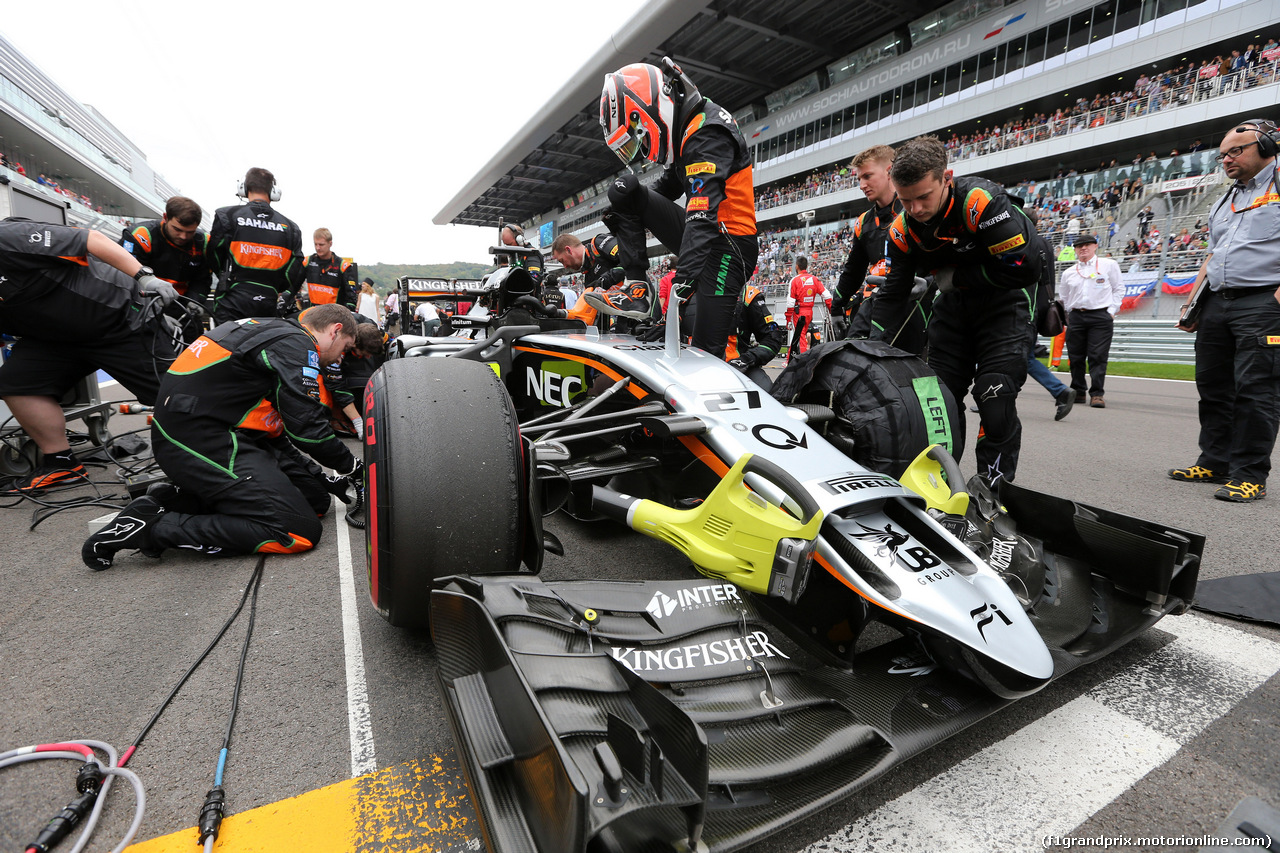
(330,278)
(986,258)
(660,115)
(757,336)
(345,380)
(529,260)
(221,406)
(256,252)
(597,260)
(869,254)
(174,248)
(73,298)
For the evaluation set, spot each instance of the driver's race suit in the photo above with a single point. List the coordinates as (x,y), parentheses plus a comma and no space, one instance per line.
(805,290)
(256,252)
(332,280)
(185,267)
(221,407)
(714,235)
(601,269)
(869,256)
(982,324)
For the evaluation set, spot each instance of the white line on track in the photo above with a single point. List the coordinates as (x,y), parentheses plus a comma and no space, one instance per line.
(358,720)
(1051,776)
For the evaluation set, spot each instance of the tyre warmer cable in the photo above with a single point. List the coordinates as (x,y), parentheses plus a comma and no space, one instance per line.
(211,813)
(92,788)
(90,782)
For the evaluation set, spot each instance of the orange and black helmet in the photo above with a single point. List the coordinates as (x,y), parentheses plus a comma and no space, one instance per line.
(638,114)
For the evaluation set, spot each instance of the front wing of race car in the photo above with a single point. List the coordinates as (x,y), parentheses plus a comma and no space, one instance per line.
(660,716)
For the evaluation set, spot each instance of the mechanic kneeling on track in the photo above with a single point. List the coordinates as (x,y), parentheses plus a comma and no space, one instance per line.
(238,491)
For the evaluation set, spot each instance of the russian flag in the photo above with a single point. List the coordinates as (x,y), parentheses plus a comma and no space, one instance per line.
(1000,28)
(760,131)
(1178,285)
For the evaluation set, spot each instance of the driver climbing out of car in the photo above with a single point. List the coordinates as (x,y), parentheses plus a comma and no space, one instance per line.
(221,409)
(659,115)
(986,258)
(597,260)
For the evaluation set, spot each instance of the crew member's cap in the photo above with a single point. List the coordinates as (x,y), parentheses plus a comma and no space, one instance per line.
(1085,238)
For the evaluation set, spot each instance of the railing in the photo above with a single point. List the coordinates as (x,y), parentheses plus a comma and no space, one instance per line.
(1152,341)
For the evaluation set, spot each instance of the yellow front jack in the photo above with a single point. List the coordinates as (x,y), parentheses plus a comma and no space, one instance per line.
(734,534)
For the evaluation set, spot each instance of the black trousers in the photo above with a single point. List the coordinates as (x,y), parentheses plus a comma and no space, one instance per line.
(981,337)
(273,505)
(245,299)
(1089,334)
(1238,377)
(720,281)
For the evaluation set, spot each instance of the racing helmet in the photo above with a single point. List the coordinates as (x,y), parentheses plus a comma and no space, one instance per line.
(638,114)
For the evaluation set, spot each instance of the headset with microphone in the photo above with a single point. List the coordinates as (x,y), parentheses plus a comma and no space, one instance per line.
(1267,133)
(274,195)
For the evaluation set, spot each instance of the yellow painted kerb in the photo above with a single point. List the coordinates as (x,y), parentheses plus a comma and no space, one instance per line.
(416,806)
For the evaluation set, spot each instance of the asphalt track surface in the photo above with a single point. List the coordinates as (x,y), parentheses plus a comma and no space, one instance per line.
(1163,738)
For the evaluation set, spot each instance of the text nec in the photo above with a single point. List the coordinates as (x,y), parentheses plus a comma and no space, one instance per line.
(552,389)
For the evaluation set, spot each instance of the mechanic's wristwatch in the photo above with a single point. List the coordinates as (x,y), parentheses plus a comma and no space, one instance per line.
(142,271)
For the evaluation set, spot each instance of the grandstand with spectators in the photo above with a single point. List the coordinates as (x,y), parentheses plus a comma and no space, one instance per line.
(1090,111)
(63,161)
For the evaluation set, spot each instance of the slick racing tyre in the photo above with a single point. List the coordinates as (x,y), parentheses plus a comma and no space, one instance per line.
(444,480)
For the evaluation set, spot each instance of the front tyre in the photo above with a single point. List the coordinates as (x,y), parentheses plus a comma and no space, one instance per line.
(444,479)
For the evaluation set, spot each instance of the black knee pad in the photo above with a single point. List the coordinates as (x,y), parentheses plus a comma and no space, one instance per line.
(622,191)
(995,394)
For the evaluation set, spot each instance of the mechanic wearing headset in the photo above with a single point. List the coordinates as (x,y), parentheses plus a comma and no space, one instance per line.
(174,247)
(330,278)
(1238,326)
(869,253)
(987,259)
(256,252)
(72,296)
(214,435)
(661,116)
(513,235)
(597,260)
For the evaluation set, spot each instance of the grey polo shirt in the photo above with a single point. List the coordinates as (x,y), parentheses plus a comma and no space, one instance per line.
(1246,243)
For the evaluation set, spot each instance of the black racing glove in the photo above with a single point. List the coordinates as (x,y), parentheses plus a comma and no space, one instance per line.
(338,486)
(740,364)
(681,290)
(650,334)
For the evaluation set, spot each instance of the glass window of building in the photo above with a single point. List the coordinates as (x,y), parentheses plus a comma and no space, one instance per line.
(1104,20)
(1057,38)
(986,66)
(951,84)
(1036,42)
(1078,32)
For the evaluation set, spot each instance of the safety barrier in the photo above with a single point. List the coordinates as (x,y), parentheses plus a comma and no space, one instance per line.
(1152,341)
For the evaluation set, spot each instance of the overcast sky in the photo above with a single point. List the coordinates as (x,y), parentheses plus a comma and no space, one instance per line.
(372,115)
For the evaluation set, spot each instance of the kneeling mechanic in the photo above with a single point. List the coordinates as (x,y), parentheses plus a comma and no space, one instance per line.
(222,407)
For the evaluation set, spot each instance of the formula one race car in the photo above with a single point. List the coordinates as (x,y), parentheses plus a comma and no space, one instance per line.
(704,714)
